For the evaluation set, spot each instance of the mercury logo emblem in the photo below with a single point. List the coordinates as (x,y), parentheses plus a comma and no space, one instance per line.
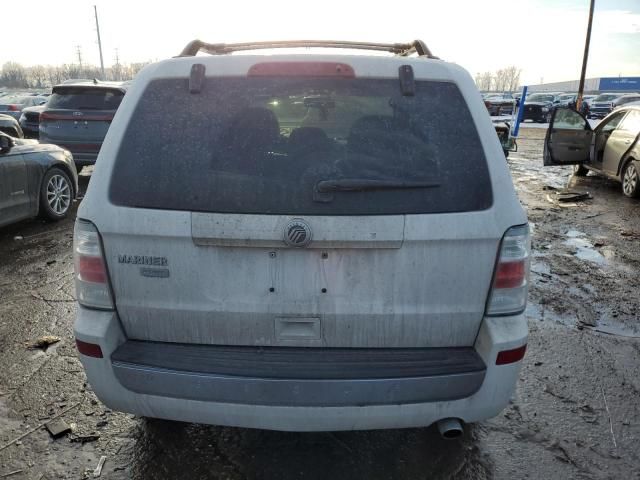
(297,233)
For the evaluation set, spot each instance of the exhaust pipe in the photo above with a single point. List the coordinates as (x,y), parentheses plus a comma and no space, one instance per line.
(450,428)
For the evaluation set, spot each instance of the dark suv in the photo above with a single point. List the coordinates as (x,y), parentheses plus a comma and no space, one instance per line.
(77,117)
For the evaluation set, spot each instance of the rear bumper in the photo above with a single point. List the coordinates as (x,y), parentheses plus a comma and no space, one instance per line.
(83,153)
(339,404)
(298,377)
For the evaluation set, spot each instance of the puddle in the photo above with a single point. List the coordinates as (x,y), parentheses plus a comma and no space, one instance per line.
(540,268)
(584,248)
(535,311)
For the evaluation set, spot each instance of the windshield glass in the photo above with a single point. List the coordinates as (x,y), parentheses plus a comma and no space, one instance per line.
(605,98)
(539,97)
(262,145)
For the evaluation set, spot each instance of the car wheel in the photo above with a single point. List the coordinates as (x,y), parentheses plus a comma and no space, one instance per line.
(580,170)
(631,180)
(56,195)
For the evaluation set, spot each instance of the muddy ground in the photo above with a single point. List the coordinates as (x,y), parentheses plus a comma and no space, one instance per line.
(576,412)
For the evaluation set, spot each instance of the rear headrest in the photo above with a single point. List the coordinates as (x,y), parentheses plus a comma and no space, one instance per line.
(309,139)
(253,129)
(371,132)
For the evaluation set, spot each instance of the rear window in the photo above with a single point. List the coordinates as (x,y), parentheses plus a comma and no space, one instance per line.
(79,98)
(301,146)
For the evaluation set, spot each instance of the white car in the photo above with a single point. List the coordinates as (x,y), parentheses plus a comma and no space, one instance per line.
(303,242)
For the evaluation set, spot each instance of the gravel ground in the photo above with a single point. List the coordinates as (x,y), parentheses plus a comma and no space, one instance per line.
(576,412)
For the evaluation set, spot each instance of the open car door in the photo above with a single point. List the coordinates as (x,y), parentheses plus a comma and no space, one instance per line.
(568,139)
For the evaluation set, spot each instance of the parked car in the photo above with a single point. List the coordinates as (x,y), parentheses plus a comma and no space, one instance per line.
(286,241)
(630,104)
(539,106)
(77,117)
(10,126)
(567,99)
(30,120)
(602,105)
(500,103)
(13,104)
(625,100)
(611,149)
(503,130)
(35,180)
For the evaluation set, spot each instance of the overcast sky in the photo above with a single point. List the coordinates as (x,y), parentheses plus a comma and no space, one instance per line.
(543,37)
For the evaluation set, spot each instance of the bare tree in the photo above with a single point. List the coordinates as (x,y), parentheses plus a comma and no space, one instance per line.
(484,81)
(512,77)
(502,80)
(37,76)
(13,75)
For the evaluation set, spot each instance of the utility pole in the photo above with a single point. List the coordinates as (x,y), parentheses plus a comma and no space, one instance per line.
(585,57)
(117,65)
(79,57)
(95,10)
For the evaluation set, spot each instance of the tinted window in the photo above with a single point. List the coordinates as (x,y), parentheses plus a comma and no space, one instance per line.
(80,98)
(261,145)
(568,120)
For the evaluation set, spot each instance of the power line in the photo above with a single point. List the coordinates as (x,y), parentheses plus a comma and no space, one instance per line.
(79,52)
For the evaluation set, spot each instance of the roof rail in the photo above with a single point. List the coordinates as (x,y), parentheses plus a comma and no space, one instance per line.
(402,49)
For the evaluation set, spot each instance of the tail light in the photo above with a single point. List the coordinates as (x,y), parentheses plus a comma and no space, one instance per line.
(92,280)
(508,294)
(13,108)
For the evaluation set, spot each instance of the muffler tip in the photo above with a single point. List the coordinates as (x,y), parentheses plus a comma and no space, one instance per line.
(450,428)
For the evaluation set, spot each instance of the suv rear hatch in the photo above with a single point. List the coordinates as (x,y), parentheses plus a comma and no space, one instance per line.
(78,117)
(382,191)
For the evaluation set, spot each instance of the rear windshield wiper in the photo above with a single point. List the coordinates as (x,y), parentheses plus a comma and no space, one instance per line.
(362,184)
(325,188)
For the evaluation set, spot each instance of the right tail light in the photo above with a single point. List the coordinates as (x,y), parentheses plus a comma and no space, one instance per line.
(508,294)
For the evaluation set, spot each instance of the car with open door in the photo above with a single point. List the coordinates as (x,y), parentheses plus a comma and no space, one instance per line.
(611,149)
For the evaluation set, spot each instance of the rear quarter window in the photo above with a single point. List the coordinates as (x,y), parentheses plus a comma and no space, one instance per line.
(262,145)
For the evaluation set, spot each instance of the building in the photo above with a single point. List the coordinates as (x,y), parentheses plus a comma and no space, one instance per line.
(591,85)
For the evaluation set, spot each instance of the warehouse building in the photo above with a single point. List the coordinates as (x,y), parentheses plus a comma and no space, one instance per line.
(591,85)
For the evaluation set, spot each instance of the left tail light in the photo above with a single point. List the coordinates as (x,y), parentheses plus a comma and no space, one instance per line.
(13,108)
(92,279)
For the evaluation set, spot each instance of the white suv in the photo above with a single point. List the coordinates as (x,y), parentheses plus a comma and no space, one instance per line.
(303,242)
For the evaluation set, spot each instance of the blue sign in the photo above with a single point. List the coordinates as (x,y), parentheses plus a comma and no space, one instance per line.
(620,83)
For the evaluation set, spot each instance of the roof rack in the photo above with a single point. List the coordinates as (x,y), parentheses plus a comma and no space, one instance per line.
(402,49)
